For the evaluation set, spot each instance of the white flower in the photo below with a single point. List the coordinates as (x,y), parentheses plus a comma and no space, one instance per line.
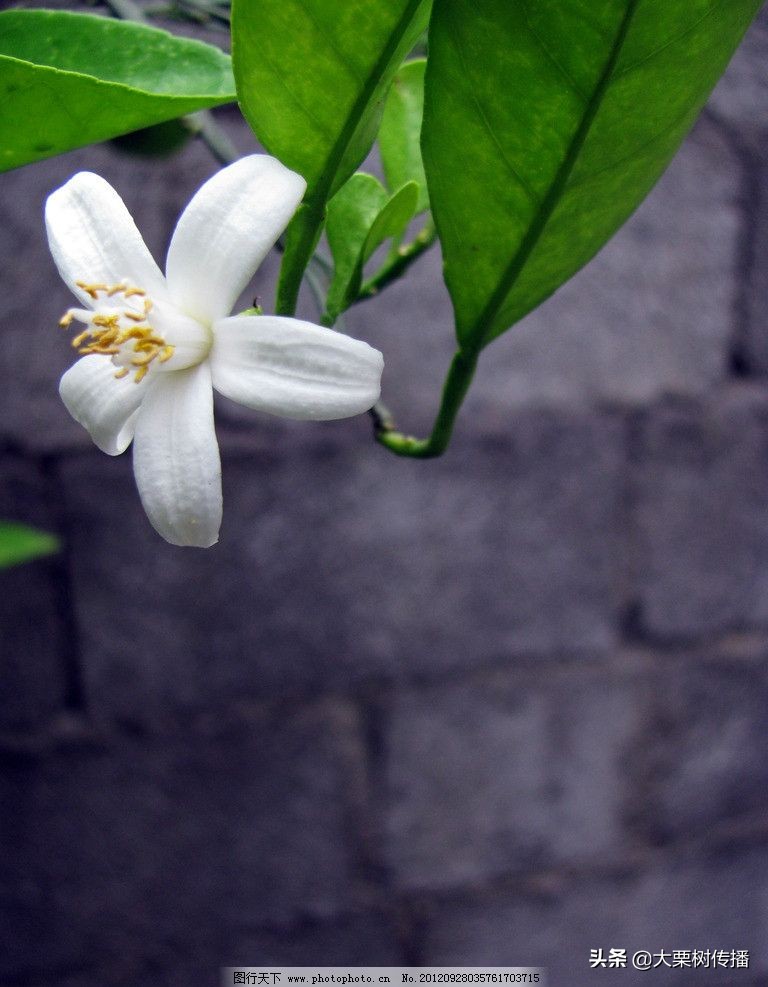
(154,347)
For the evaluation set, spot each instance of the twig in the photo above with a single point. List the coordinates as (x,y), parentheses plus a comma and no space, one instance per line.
(203,126)
(127,10)
(403,259)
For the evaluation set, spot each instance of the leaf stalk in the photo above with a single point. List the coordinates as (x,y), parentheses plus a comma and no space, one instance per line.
(457,383)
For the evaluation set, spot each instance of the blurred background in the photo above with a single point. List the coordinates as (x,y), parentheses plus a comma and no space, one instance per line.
(504,707)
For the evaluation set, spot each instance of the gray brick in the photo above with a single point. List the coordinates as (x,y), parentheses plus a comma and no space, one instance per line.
(755,329)
(705,758)
(339,562)
(360,939)
(33,638)
(702,493)
(499,777)
(741,96)
(364,939)
(690,904)
(119,858)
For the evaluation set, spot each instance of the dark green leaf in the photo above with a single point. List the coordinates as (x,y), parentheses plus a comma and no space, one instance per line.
(400,133)
(67,80)
(312,76)
(361,216)
(18,543)
(546,122)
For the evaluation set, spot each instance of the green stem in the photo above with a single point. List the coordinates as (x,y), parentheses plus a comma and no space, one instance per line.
(460,375)
(402,260)
(300,241)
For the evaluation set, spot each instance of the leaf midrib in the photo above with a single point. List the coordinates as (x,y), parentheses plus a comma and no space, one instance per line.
(320,193)
(480,332)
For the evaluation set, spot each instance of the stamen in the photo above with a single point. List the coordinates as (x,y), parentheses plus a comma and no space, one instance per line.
(107,321)
(92,289)
(80,338)
(107,334)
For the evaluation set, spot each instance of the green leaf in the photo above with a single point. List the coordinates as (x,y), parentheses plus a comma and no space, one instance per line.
(400,133)
(393,219)
(361,216)
(546,123)
(312,76)
(67,80)
(18,543)
(351,213)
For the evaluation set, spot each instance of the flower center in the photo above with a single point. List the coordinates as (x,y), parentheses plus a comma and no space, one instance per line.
(119,327)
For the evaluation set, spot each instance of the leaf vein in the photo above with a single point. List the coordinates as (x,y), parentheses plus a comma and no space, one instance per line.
(628,69)
(278,77)
(484,323)
(590,176)
(562,71)
(488,127)
(329,40)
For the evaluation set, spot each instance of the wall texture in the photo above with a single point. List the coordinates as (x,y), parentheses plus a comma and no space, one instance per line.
(503,707)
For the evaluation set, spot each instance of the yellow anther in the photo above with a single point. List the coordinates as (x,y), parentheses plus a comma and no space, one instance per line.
(92,289)
(104,333)
(80,338)
(135,332)
(106,321)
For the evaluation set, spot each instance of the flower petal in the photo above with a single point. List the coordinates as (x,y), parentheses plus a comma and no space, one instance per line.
(293,368)
(94,239)
(191,341)
(226,231)
(176,458)
(101,403)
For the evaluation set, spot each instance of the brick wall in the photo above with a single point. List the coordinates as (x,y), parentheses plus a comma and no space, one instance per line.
(501,707)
